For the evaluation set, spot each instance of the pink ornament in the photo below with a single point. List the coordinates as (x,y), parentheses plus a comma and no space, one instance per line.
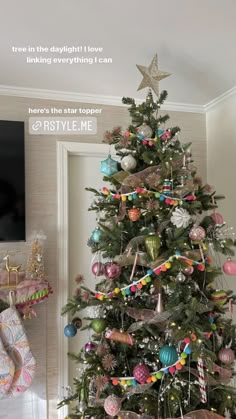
(226,355)
(218,218)
(98,268)
(112,405)
(112,270)
(197,233)
(141,373)
(188,270)
(89,347)
(229,267)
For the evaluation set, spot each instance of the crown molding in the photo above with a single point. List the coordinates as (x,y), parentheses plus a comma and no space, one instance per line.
(88,98)
(219,99)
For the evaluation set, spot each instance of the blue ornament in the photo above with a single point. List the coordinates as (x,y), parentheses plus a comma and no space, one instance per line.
(168,355)
(70,330)
(160,132)
(109,166)
(96,235)
(162,198)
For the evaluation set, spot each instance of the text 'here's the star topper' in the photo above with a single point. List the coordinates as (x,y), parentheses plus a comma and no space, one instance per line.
(152,75)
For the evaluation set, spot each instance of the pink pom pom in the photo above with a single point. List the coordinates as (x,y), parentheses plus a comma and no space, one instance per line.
(187,340)
(172,370)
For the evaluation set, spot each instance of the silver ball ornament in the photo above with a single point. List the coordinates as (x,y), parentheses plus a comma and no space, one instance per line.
(128,162)
(180,277)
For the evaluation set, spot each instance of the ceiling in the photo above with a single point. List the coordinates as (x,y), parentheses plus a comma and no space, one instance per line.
(194,40)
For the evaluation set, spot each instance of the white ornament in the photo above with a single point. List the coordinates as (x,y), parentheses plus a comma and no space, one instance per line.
(128,162)
(180,218)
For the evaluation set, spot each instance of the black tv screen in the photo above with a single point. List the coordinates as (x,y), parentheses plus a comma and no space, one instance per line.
(12,181)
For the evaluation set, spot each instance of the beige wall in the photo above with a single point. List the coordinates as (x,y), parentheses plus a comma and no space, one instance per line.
(221,152)
(221,155)
(41,206)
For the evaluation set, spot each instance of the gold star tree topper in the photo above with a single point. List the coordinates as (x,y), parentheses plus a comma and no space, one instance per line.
(152,75)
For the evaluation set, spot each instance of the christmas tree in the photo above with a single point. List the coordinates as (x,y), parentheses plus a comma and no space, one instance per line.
(163,343)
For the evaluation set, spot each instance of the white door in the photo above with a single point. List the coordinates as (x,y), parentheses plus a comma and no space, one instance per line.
(84,171)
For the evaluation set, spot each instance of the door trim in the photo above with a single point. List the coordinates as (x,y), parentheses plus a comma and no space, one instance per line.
(64,150)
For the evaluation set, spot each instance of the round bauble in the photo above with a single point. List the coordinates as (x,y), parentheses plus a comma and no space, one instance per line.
(219,297)
(229,267)
(134,214)
(112,270)
(152,244)
(128,163)
(98,325)
(197,233)
(144,131)
(226,355)
(141,373)
(70,330)
(188,270)
(89,347)
(98,268)
(96,235)
(168,355)
(77,322)
(218,218)
(180,277)
(112,405)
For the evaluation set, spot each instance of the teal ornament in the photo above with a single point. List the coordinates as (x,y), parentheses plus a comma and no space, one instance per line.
(168,355)
(160,132)
(96,235)
(70,330)
(109,166)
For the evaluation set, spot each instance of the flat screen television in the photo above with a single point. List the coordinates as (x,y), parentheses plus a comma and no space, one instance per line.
(12,181)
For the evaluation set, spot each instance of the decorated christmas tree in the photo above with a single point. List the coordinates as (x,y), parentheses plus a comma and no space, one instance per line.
(162,340)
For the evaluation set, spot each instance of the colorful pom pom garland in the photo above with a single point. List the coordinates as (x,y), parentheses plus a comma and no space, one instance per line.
(131,288)
(157,375)
(173,201)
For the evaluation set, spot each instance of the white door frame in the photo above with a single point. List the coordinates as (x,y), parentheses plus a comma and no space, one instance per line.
(64,150)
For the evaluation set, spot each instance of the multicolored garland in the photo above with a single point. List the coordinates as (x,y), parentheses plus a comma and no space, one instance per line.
(174,201)
(138,284)
(157,375)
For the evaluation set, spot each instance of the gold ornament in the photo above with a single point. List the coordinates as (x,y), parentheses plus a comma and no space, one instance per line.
(10,269)
(152,75)
(35,263)
(152,244)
